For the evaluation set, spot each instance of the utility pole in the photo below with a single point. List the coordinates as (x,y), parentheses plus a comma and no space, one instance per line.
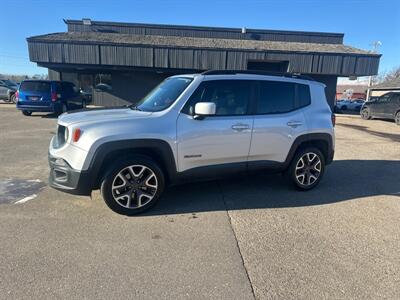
(375,46)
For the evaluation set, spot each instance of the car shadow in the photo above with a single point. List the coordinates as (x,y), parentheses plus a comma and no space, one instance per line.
(392,136)
(344,180)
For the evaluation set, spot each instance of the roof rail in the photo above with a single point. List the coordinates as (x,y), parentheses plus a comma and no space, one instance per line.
(257,72)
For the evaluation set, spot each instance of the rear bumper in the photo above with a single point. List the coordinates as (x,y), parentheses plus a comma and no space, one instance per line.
(66,179)
(39,108)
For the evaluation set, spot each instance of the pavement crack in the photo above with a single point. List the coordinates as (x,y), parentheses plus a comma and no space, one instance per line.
(236,239)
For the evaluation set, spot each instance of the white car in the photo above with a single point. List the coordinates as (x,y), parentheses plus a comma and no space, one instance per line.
(194,127)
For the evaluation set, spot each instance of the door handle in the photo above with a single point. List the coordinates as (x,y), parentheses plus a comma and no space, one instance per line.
(294,124)
(240,127)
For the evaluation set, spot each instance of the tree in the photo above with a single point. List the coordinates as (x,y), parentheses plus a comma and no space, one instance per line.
(389,75)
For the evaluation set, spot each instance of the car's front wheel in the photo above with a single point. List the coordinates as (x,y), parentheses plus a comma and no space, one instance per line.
(306,169)
(26,112)
(132,185)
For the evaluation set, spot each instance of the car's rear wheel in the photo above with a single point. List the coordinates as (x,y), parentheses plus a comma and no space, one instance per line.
(13,99)
(365,113)
(306,169)
(26,112)
(397,118)
(133,185)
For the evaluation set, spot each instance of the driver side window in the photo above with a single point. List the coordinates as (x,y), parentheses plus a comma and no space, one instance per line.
(231,97)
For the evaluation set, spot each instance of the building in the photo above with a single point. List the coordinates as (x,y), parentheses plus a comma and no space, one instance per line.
(354,91)
(384,87)
(133,58)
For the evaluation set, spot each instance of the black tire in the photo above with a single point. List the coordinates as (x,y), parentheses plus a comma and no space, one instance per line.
(365,114)
(62,108)
(112,175)
(13,99)
(292,173)
(26,113)
(397,118)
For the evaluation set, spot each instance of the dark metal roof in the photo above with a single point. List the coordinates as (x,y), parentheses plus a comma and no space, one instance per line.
(190,42)
(207,28)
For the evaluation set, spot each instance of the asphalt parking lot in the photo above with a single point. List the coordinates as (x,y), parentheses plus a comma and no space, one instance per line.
(240,238)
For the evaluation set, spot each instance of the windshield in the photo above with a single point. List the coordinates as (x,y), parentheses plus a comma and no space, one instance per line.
(163,95)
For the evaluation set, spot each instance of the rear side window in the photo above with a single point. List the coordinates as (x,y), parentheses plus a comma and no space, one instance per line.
(303,95)
(276,97)
(280,97)
(231,97)
(35,86)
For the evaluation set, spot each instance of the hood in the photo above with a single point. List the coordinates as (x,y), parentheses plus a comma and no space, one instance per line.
(100,115)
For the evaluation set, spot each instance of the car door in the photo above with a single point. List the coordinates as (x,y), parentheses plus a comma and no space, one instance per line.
(278,120)
(379,106)
(391,106)
(68,95)
(222,141)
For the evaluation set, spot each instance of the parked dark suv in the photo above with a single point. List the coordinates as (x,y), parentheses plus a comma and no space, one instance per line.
(386,106)
(48,96)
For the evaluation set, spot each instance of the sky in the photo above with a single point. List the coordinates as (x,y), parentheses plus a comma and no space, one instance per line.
(363,22)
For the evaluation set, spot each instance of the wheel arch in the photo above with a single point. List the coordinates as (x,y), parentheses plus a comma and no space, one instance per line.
(158,150)
(322,141)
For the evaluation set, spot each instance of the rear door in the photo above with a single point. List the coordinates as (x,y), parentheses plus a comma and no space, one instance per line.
(70,95)
(222,140)
(278,120)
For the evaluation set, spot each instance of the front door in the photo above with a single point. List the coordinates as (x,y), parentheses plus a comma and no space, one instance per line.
(380,105)
(221,141)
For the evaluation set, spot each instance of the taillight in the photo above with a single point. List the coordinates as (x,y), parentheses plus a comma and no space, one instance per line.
(76,134)
(53,96)
(333,117)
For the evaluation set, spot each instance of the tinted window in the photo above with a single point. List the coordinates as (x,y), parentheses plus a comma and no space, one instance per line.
(35,86)
(68,88)
(231,97)
(276,97)
(303,95)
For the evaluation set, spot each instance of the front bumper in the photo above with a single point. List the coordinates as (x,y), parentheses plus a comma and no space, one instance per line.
(64,178)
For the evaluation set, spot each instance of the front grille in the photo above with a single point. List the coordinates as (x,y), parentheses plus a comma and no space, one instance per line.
(60,139)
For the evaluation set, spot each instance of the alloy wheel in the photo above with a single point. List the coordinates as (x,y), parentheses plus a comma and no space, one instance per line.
(308,169)
(134,186)
(365,114)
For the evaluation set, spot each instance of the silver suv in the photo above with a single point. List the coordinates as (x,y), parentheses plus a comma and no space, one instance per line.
(190,127)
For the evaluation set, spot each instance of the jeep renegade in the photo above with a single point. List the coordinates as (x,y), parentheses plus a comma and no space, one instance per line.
(198,126)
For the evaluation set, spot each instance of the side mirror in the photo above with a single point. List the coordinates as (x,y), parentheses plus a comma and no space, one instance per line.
(203,109)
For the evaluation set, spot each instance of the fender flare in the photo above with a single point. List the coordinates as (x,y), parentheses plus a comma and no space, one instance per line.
(312,137)
(163,150)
